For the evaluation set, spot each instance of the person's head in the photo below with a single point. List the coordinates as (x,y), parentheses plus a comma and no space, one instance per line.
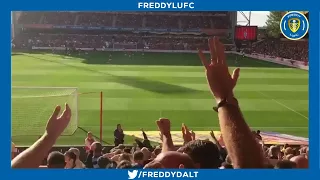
(138,157)
(105,150)
(288,157)
(301,162)
(119,127)
(288,151)
(56,160)
(146,153)
(89,135)
(124,165)
(156,152)
(76,151)
(205,154)
(127,150)
(118,151)
(171,160)
(274,151)
(106,163)
(285,164)
(258,132)
(96,147)
(70,159)
(124,157)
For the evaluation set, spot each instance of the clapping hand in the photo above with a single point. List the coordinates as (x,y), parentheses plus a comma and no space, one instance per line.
(57,124)
(220,81)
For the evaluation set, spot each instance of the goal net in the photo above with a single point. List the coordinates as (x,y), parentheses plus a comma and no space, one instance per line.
(31,108)
(122,46)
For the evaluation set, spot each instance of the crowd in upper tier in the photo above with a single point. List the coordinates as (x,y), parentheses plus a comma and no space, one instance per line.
(218,20)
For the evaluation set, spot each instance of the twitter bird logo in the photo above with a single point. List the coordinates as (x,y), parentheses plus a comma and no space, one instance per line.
(132,174)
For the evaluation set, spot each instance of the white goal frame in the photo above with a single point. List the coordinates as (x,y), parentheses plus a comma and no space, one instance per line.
(74,114)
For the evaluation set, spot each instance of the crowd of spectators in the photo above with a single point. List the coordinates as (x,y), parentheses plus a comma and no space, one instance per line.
(241,147)
(296,50)
(159,42)
(169,20)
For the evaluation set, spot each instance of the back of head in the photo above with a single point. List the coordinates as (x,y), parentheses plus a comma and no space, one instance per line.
(301,161)
(203,152)
(285,164)
(71,155)
(288,151)
(76,151)
(274,151)
(174,160)
(55,160)
(127,150)
(124,165)
(157,151)
(125,156)
(98,148)
(138,156)
(104,163)
(146,153)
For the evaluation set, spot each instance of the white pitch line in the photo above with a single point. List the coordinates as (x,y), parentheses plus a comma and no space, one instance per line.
(265,95)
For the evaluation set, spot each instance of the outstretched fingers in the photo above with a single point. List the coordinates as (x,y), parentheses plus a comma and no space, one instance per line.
(66,112)
(213,50)
(235,75)
(203,59)
(220,51)
(55,112)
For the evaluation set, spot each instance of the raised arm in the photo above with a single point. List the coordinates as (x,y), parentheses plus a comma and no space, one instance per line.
(164,128)
(242,147)
(33,156)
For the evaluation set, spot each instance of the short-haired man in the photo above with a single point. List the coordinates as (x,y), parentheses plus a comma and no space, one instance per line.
(56,160)
(138,159)
(204,153)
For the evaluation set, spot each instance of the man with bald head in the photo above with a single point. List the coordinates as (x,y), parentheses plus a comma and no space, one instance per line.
(171,160)
(301,162)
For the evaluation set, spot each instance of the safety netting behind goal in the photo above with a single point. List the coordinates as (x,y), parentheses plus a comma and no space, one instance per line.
(31,108)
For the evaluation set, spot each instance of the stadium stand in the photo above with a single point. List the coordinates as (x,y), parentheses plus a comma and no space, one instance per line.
(283,48)
(196,153)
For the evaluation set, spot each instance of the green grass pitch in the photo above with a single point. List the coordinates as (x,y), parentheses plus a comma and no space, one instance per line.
(139,90)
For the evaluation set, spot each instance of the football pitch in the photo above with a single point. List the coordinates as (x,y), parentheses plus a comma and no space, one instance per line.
(141,89)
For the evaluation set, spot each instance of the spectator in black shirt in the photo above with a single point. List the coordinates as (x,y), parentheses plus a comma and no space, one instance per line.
(118,135)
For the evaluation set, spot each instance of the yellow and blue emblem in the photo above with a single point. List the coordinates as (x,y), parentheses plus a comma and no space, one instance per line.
(294,25)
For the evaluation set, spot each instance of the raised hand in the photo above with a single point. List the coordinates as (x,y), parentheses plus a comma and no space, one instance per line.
(212,135)
(164,126)
(193,135)
(187,136)
(220,81)
(57,124)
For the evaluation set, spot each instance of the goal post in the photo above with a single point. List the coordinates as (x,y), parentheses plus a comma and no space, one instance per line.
(31,108)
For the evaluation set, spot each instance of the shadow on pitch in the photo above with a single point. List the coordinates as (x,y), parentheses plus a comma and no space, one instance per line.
(137,82)
(162,59)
